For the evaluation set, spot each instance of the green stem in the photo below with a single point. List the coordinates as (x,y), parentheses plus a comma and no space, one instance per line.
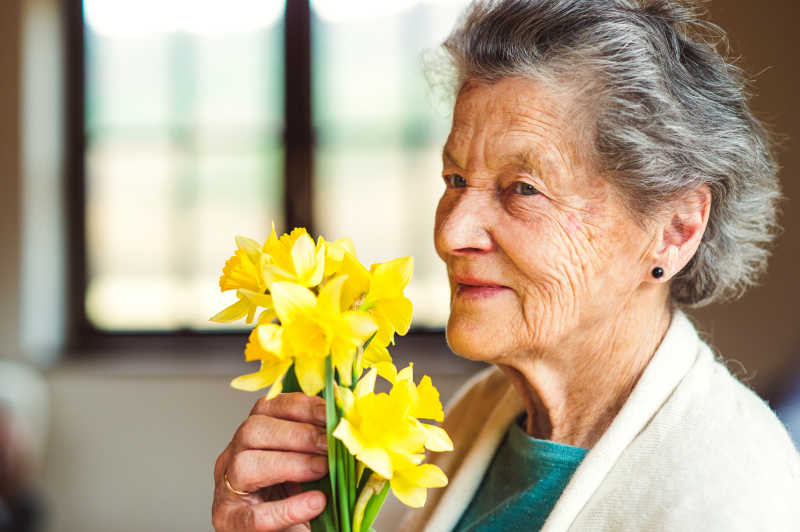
(351,481)
(371,488)
(373,507)
(332,419)
(342,481)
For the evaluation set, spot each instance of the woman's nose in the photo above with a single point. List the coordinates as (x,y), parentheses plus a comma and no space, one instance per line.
(462,225)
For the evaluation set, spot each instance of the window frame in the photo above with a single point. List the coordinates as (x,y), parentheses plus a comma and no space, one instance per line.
(85,339)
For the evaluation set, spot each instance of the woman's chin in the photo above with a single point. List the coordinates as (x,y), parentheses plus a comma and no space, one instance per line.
(467,340)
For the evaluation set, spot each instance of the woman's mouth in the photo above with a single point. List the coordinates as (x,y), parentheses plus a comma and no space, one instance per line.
(477,288)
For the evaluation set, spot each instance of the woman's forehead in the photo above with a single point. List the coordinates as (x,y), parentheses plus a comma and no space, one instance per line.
(516,120)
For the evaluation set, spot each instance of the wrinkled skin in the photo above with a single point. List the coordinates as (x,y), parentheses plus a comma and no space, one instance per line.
(549,271)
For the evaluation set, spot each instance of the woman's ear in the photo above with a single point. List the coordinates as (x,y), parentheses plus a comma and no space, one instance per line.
(681,233)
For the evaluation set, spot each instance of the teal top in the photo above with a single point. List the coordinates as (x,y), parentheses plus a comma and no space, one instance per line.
(521,486)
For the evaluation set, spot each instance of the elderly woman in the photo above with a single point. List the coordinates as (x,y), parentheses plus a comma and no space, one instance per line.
(603,170)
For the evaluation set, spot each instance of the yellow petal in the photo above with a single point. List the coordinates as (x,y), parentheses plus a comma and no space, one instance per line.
(376,459)
(425,475)
(303,253)
(375,353)
(347,244)
(251,247)
(344,398)
(342,357)
(366,384)
(390,278)
(269,373)
(254,351)
(346,433)
(334,253)
(251,313)
(273,273)
(409,485)
(232,313)
(428,406)
(240,272)
(437,439)
(315,277)
(267,316)
(398,311)
(270,337)
(387,371)
(276,388)
(272,241)
(262,300)
(408,493)
(310,374)
(291,299)
(330,296)
(407,373)
(404,393)
(356,327)
(357,283)
(385,334)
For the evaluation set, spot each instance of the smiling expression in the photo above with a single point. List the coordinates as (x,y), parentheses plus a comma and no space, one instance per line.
(539,247)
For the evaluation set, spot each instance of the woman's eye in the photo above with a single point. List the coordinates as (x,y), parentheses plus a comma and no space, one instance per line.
(456,180)
(524,189)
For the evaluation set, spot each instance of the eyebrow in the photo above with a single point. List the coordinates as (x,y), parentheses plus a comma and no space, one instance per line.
(524,159)
(448,157)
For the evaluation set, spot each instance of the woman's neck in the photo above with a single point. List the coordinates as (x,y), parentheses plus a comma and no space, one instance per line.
(573,392)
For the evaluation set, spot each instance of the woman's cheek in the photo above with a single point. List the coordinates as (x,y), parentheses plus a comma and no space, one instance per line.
(526,208)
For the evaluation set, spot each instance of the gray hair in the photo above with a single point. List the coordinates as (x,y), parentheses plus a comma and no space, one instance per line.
(670,114)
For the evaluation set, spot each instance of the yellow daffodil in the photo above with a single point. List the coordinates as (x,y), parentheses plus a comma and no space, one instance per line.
(382,431)
(265,344)
(387,304)
(319,301)
(409,484)
(314,327)
(243,272)
(340,259)
(294,258)
(335,252)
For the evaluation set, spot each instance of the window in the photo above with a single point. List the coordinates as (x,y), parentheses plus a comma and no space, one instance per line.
(189,134)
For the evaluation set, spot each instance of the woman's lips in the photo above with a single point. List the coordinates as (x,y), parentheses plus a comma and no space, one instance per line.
(476,289)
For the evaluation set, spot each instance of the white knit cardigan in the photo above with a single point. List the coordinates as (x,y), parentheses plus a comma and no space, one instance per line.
(691,450)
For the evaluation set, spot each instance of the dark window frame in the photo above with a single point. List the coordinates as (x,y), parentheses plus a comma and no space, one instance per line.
(85,339)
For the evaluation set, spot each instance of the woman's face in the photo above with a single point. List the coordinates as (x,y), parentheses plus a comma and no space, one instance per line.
(539,248)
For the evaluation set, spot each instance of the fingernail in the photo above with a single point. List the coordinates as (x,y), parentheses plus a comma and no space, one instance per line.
(322,441)
(319,464)
(320,413)
(316,501)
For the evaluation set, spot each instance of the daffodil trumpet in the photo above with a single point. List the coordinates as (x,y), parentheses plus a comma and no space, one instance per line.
(324,325)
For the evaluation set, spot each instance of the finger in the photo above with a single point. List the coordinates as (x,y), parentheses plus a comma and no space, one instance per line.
(276,515)
(221,464)
(270,433)
(252,470)
(292,406)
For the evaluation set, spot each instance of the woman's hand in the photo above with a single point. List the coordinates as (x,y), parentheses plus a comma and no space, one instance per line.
(281,444)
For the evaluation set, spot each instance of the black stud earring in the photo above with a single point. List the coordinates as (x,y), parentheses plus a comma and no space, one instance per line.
(658,272)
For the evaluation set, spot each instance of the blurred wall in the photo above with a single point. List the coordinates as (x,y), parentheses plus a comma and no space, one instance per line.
(10,171)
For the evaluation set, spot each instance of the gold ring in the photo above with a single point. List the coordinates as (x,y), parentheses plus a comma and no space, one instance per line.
(234,490)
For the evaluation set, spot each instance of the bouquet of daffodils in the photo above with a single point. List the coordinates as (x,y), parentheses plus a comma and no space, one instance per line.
(324,327)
